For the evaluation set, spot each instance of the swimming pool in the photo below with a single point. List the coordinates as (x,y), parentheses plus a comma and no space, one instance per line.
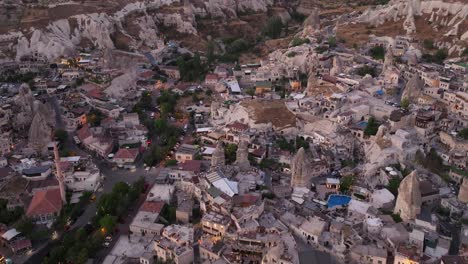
(338,200)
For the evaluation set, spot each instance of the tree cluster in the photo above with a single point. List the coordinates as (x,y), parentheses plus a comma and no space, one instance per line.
(372,127)
(191,68)
(273,27)
(438,57)
(377,53)
(94,117)
(364,70)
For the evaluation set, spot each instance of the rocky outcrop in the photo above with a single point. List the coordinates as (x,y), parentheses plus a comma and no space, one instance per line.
(218,158)
(413,88)
(463,194)
(388,61)
(229,8)
(138,23)
(312,23)
(408,204)
(300,169)
(242,156)
(337,66)
(443,17)
(40,131)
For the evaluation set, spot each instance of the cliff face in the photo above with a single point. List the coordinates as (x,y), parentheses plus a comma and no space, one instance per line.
(132,26)
(445,21)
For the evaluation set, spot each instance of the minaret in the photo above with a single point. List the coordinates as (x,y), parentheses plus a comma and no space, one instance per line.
(59,173)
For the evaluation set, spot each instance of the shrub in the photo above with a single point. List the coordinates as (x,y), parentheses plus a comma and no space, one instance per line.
(299,41)
(291,54)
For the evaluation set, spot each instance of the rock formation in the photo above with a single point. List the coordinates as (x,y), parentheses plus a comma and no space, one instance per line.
(312,23)
(463,194)
(337,66)
(408,204)
(214,109)
(242,156)
(388,61)
(40,131)
(414,88)
(218,159)
(300,169)
(448,15)
(25,98)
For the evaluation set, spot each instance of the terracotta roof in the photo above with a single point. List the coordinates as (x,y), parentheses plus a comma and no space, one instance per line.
(146,74)
(259,152)
(18,245)
(125,153)
(191,165)
(65,165)
(48,183)
(152,206)
(96,93)
(88,87)
(107,121)
(45,202)
(238,126)
(245,200)
(84,132)
(211,76)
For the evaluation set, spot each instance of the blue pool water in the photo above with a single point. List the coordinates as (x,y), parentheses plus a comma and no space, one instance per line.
(361,124)
(337,199)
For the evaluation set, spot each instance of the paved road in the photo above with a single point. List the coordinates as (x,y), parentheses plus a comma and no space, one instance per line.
(111,177)
(58,115)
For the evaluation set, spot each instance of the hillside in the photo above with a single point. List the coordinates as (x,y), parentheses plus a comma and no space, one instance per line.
(444,23)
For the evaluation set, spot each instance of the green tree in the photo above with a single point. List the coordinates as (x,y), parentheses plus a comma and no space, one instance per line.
(465,52)
(82,256)
(25,226)
(332,41)
(440,56)
(61,135)
(463,133)
(171,163)
(346,183)
(94,117)
(238,46)
(273,27)
(428,44)
(250,91)
(191,68)
(405,103)
(377,53)
(393,185)
(107,222)
(230,153)
(364,70)
(372,127)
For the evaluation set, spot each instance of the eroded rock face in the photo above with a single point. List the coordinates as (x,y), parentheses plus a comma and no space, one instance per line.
(337,66)
(413,88)
(388,61)
(408,204)
(463,194)
(242,155)
(137,23)
(439,14)
(312,23)
(218,158)
(300,169)
(40,131)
